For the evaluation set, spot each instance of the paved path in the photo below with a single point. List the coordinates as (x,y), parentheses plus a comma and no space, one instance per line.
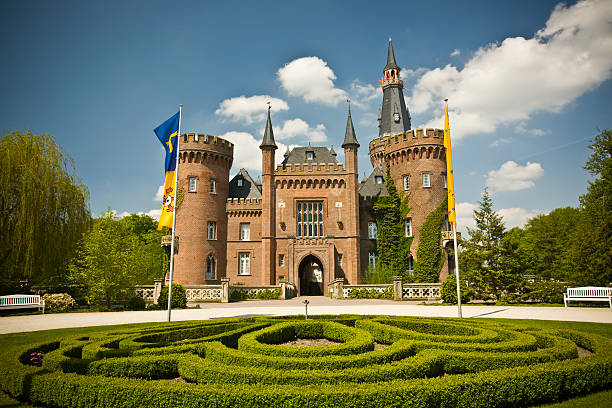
(318,305)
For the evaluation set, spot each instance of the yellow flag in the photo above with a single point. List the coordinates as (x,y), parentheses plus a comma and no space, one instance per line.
(167,133)
(452,216)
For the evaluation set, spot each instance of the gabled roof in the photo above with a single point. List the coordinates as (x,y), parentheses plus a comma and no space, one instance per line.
(321,155)
(369,188)
(249,188)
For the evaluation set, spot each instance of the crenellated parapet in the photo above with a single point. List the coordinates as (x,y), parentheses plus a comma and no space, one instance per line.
(243,207)
(310,168)
(311,183)
(423,143)
(202,148)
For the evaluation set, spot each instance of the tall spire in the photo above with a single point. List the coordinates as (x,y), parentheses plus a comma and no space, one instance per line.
(268,139)
(391,57)
(349,135)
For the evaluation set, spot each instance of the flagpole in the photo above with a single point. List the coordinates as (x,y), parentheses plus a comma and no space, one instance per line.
(178,144)
(457,271)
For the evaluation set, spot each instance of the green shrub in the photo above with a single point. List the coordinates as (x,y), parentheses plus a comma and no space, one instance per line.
(449,290)
(365,293)
(58,302)
(244,294)
(179,297)
(137,303)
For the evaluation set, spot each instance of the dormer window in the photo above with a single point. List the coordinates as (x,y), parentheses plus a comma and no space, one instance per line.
(378,179)
(309,155)
(239,182)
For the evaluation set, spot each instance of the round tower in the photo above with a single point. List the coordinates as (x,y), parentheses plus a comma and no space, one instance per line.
(201,220)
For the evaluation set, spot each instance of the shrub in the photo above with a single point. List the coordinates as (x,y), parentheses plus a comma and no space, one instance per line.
(243,294)
(449,291)
(365,293)
(58,302)
(179,297)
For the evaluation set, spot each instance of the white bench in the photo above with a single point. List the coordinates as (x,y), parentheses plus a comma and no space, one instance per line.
(22,301)
(589,294)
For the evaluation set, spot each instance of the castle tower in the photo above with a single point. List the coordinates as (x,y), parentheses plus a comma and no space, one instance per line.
(350,146)
(201,221)
(268,191)
(416,157)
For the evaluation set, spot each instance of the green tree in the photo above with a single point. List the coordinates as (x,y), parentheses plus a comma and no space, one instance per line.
(486,259)
(43,210)
(592,243)
(430,257)
(115,255)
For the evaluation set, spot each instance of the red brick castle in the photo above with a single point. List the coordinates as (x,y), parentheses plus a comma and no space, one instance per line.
(307,221)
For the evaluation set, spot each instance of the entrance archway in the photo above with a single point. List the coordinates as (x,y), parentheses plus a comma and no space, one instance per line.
(311,276)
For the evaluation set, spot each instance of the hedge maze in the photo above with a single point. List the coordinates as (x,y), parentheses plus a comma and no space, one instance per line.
(373,361)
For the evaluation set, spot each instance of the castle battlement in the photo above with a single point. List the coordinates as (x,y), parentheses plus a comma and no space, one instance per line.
(283,169)
(204,142)
(243,206)
(412,136)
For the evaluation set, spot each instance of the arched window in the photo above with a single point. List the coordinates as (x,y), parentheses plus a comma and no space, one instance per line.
(210,267)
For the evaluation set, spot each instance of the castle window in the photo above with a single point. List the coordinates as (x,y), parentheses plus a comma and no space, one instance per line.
(212,230)
(444,180)
(410,265)
(213,186)
(195,137)
(245,232)
(239,182)
(372,230)
(372,258)
(281,260)
(244,266)
(408,227)
(340,260)
(192,185)
(406,183)
(309,155)
(426,181)
(378,179)
(310,219)
(210,267)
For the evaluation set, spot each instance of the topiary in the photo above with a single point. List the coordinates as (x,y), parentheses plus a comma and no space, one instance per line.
(179,297)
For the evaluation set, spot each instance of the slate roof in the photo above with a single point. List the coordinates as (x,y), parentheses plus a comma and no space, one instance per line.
(249,189)
(349,135)
(369,188)
(391,57)
(268,139)
(321,155)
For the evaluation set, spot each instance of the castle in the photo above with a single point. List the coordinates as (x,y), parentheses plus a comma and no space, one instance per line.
(307,221)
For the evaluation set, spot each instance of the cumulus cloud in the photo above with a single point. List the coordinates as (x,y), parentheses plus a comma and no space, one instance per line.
(509,82)
(522,128)
(514,177)
(247,153)
(455,52)
(249,109)
(517,217)
(362,93)
(160,194)
(465,215)
(298,127)
(311,79)
(155,213)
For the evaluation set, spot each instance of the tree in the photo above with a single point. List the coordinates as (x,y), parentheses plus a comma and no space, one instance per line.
(430,257)
(486,261)
(43,210)
(117,254)
(592,243)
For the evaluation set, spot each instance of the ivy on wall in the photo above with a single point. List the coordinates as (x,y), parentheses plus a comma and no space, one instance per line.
(430,257)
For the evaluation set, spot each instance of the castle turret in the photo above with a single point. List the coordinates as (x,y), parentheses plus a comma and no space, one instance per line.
(268,231)
(350,146)
(201,222)
(394,117)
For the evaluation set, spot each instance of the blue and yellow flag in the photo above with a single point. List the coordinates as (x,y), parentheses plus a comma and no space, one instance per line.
(450,183)
(167,133)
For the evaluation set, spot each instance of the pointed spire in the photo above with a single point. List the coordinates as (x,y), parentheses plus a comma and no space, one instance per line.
(332,151)
(268,139)
(391,57)
(349,135)
(287,152)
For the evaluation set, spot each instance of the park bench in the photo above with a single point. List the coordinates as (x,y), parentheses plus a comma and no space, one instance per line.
(22,301)
(589,294)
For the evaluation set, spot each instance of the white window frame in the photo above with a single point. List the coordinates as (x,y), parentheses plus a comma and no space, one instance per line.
(444,180)
(406,182)
(211,228)
(213,186)
(239,182)
(193,183)
(245,231)
(309,155)
(372,259)
(210,274)
(340,260)
(408,227)
(379,179)
(244,263)
(372,230)
(281,259)
(426,180)
(411,265)
(309,218)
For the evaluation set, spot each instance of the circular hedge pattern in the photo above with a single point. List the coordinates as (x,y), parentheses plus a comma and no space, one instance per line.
(378,361)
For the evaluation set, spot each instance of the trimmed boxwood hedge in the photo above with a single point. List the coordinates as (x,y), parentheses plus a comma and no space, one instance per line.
(423,362)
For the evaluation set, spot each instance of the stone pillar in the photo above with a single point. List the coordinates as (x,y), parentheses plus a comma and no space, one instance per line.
(338,285)
(283,288)
(225,290)
(158,284)
(397,288)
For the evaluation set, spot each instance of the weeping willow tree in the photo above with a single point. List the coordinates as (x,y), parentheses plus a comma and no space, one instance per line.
(43,210)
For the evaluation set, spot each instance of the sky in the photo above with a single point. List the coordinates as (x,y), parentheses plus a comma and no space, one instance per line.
(528,84)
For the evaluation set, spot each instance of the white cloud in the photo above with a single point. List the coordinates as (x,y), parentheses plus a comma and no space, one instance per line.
(509,82)
(160,194)
(298,127)
(455,52)
(522,128)
(500,141)
(517,217)
(155,213)
(312,79)
(247,153)
(249,109)
(362,93)
(514,177)
(465,215)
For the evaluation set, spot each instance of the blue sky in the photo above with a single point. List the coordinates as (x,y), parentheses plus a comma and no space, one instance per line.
(528,84)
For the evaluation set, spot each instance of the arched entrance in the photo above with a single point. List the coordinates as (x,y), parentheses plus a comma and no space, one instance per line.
(311,276)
